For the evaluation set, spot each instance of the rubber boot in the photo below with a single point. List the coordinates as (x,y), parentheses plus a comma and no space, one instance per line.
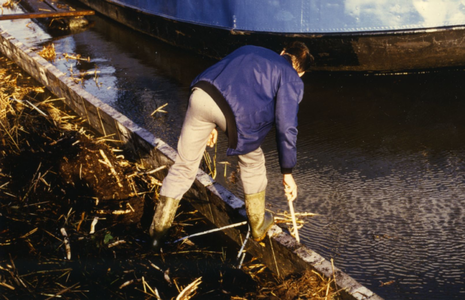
(260,221)
(162,220)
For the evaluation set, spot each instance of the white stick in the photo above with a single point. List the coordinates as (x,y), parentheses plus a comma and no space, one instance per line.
(296,231)
(66,241)
(241,251)
(212,230)
(243,244)
(92,226)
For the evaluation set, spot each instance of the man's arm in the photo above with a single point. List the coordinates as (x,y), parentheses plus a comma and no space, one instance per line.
(287,106)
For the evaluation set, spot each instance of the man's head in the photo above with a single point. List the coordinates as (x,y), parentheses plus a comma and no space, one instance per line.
(299,55)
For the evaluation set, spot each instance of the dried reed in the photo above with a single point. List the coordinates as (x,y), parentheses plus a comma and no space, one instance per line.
(48,52)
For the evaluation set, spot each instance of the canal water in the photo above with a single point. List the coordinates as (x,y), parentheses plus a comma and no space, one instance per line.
(381,158)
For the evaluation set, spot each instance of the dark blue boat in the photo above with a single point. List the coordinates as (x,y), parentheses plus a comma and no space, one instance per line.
(343,35)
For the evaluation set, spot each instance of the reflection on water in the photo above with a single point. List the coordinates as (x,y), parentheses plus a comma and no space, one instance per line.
(381,158)
(400,14)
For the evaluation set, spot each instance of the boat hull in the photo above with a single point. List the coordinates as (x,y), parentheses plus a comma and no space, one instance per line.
(371,51)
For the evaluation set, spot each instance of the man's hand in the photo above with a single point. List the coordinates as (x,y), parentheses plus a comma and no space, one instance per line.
(213,138)
(290,187)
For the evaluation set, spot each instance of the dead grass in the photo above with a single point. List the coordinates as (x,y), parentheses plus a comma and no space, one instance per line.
(48,52)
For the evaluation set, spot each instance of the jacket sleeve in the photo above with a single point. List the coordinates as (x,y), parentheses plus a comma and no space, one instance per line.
(287,106)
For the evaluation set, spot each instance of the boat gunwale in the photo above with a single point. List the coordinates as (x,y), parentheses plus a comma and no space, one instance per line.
(318,34)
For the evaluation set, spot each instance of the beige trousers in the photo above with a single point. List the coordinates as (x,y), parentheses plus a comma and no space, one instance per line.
(202,116)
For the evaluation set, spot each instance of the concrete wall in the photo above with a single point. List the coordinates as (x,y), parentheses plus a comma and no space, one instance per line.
(281,253)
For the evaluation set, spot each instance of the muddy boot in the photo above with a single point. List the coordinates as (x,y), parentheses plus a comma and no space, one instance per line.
(259,220)
(162,220)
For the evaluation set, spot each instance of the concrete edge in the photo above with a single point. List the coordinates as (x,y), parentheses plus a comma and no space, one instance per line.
(213,200)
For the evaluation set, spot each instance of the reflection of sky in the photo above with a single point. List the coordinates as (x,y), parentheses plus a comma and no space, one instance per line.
(102,85)
(440,12)
(403,13)
(31,35)
(312,15)
(379,13)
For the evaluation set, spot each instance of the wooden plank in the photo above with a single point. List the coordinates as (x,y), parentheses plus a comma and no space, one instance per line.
(39,15)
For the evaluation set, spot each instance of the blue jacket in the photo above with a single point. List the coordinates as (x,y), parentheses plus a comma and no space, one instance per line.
(262,89)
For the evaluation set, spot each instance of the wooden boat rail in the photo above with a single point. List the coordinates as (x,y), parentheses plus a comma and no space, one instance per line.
(57,14)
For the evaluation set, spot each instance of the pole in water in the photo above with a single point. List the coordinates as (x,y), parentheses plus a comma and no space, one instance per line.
(296,232)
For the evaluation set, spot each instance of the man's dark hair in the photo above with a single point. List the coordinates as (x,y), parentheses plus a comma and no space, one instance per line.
(300,56)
